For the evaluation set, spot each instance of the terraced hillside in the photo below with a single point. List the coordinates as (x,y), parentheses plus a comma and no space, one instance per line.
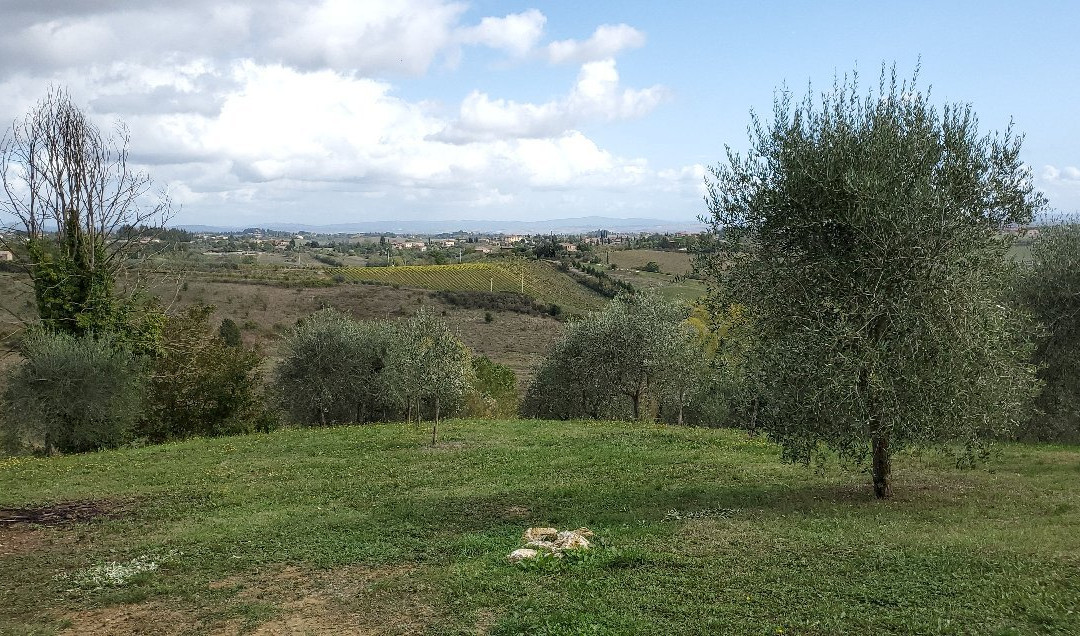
(540,280)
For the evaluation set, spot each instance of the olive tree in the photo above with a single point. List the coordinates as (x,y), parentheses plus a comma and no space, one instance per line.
(638,351)
(860,235)
(71,394)
(429,365)
(1051,289)
(332,369)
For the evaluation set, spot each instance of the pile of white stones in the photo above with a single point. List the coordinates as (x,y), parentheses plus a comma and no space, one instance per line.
(550,541)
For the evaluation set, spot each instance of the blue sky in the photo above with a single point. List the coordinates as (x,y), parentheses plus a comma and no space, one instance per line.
(329,111)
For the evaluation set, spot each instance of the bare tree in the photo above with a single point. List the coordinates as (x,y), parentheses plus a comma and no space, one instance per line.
(71,196)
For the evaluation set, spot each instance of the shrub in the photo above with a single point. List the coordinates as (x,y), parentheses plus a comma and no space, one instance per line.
(201,384)
(72,394)
(493,392)
(332,370)
(229,332)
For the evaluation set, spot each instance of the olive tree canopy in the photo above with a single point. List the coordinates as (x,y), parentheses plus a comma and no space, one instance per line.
(861,235)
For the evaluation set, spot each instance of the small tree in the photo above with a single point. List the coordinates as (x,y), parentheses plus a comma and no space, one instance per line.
(72,394)
(82,210)
(201,385)
(431,365)
(334,370)
(616,362)
(229,333)
(861,235)
(1051,290)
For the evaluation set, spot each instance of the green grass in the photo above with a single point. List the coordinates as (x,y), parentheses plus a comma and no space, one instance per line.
(698,531)
(540,280)
(669,262)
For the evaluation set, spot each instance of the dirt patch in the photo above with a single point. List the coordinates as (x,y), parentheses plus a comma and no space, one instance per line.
(349,600)
(517,512)
(14,541)
(143,618)
(61,513)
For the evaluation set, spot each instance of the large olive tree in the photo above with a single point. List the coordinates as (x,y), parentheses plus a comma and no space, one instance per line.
(860,236)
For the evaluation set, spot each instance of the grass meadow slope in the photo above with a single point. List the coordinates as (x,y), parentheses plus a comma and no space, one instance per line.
(369,530)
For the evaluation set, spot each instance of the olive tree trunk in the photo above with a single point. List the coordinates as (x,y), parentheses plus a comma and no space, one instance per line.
(882,467)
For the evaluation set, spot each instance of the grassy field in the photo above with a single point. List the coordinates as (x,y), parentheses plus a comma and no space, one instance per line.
(538,279)
(669,262)
(667,285)
(369,530)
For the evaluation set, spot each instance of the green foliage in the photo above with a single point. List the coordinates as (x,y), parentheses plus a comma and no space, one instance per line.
(1051,290)
(202,385)
(623,362)
(429,367)
(72,294)
(652,266)
(493,392)
(333,370)
(71,394)
(861,235)
(229,332)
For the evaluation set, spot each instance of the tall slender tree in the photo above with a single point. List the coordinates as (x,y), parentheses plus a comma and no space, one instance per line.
(69,191)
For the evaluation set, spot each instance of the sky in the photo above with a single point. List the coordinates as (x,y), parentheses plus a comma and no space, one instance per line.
(338,111)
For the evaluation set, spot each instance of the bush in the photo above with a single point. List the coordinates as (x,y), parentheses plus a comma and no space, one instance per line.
(493,393)
(72,394)
(331,370)
(229,332)
(652,266)
(202,385)
(623,362)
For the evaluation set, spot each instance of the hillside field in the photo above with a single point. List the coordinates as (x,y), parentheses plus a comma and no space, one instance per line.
(369,530)
(669,262)
(535,278)
(265,310)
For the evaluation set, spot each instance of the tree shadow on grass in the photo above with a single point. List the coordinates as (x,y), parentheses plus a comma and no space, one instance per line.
(611,504)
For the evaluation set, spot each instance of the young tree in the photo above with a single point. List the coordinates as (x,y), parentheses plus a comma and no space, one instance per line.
(861,235)
(68,192)
(616,361)
(321,369)
(430,364)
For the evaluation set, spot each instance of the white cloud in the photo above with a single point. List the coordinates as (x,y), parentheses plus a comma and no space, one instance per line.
(1065,174)
(368,37)
(273,107)
(517,33)
(596,95)
(607,41)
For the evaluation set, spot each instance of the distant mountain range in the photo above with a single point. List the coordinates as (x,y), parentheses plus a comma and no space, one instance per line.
(560,226)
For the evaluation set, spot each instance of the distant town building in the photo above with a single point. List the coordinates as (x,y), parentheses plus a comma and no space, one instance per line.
(6,256)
